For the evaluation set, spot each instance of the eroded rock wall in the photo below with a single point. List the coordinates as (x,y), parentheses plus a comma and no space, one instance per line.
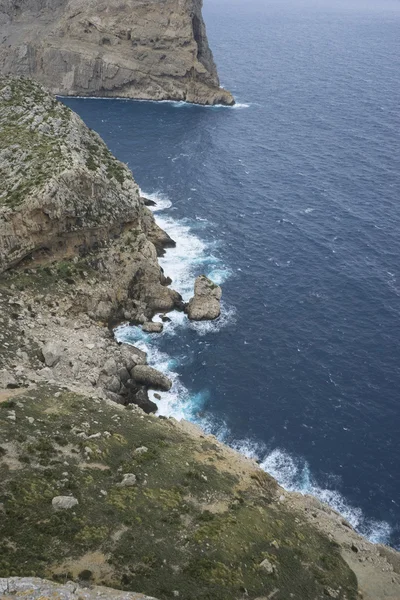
(63,195)
(146,49)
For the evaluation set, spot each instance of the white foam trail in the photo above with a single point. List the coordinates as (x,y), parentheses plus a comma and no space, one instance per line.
(191,257)
(174,103)
(161,200)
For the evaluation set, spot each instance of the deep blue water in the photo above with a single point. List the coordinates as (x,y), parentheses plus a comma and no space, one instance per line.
(292,199)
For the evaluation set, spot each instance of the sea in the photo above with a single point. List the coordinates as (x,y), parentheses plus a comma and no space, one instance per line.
(290,201)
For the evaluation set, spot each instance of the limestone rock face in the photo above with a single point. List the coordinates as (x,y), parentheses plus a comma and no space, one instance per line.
(138,49)
(63,195)
(205,304)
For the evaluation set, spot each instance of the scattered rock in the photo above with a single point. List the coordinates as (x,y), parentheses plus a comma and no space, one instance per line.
(206,302)
(141,450)
(52,352)
(138,395)
(7,380)
(129,480)
(64,502)
(133,356)
(151,378)
(33,588)
(328,591)
(110,367)
(267,566)
(151,327)
(148,202)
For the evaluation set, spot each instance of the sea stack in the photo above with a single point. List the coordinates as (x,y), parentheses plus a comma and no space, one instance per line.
(206,302)
(148,50)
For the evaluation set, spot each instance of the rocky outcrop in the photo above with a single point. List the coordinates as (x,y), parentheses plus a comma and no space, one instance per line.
(206,302)
(64,196)
(149,50)
(151,378)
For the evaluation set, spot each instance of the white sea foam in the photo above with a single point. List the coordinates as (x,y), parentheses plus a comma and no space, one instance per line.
(294,475)
(173,103)
(182,264)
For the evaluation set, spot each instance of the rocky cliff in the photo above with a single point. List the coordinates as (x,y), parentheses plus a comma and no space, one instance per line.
(94,488)
(149,49)
(63,194)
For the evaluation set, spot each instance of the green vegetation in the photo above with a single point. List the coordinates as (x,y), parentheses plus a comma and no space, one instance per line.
(34,145)
(190,524)
(32,127)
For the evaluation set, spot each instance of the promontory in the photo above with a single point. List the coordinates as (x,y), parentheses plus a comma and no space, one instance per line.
(144,49)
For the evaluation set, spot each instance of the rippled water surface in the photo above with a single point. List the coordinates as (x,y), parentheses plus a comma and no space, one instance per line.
(291,200)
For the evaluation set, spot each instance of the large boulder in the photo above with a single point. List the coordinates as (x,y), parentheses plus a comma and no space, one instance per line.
(64,502)
(52,352)
(132,356)
(151,378)
(152,327)
(206,302)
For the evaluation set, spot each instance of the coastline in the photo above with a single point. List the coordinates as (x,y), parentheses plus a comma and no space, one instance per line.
(67,432)
(181,403)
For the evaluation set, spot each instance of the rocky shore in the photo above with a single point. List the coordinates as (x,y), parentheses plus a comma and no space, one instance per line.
(100,498)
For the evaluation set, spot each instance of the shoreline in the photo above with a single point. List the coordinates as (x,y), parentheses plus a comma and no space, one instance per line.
(378,529)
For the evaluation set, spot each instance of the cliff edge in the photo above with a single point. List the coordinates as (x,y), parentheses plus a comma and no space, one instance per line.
(136,49)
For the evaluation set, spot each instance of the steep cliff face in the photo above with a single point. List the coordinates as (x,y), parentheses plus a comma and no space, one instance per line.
(63,195)
(146,49)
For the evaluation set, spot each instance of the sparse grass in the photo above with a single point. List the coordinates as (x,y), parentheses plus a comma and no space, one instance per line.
(159,535)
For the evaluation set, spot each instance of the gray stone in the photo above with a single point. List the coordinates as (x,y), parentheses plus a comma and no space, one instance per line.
(151,378)
(33,588)
(64,502)
(132,356)
(110,367)
(141,450)
(103,310)
(129,480)
(112,384)
(206,302)
(267,566)
(52,352)
(151,327)
(123,374)
(7,380)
